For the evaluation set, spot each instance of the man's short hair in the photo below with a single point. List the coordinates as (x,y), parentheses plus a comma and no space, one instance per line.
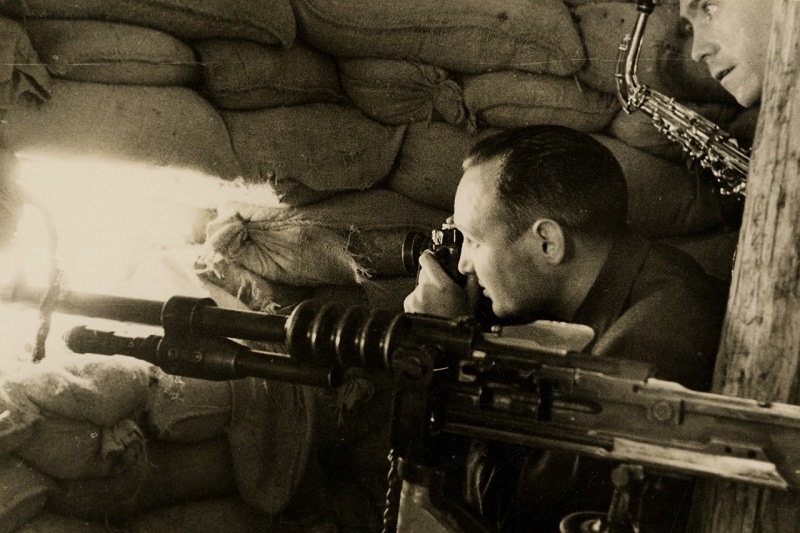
(559,173)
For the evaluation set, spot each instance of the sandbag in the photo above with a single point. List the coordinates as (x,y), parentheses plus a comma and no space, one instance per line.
(219,515)
(310,245)
(68,449)
(246,75)
(273,435)
(463,36)
(510,99)
(184,409)
(665,62)
(265,21)
(429,165)
(21,72)
(75,417)
(665,199)
(395,91)
(23,493)
(79,387)
(108,52)
(171,473)
(158,126)
(637,129)
(325,147)
(249,288)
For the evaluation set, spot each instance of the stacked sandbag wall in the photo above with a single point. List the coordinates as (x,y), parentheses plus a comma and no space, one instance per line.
(319,99)
(357,114)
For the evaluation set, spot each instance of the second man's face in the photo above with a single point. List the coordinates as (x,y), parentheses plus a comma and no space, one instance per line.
(508,272)
(732,37)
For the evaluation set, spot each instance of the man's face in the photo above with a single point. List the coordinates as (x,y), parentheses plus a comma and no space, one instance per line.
(508,271)
(732,37)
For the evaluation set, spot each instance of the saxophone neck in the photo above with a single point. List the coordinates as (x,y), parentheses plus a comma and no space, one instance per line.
(629,90)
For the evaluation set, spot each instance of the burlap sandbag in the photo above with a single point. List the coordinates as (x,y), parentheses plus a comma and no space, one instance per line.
(23,493)
(77,414)
(172,473)
(394,91)
(273,435)
(325,147)
(265,21)
(108,52)
(464,36)
(665,62)
(249,288)
(510,99)
(311,245)
(21,72)
(665,199)
(218,515)
(67,448)
(246,75)
(429,165)
(184,409)
(158,126)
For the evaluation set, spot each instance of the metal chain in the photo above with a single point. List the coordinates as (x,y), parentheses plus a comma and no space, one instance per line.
(392,507)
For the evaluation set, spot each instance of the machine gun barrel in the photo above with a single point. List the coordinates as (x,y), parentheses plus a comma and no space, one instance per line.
(477,386)
(203,317)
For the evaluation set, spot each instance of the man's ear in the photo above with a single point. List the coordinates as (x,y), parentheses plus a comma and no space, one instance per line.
(550,240)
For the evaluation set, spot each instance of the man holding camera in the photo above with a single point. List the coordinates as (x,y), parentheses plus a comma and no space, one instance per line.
(543,214)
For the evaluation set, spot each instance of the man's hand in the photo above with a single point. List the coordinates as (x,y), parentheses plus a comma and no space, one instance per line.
(437,294)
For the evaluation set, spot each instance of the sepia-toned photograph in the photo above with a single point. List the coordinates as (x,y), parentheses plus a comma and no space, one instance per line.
(413,266)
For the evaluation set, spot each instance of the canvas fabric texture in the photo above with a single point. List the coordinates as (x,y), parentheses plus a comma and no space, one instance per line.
(158,126)
(395,91)
(472,36)
(325,147)
(265,21)
(665,199)
(240,75)
(310,245)
(20,69)
(108,52)
(510,99)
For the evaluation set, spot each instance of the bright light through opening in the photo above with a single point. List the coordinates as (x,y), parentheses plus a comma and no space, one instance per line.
(108,217)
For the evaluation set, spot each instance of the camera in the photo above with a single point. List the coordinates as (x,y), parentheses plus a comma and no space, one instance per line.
(445,243)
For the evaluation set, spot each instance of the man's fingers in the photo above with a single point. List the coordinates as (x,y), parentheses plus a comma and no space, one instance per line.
(431,272)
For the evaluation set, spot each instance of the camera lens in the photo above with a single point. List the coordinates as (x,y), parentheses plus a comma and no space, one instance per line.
(414,244)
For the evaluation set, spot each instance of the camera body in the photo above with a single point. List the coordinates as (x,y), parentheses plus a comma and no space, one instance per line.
(445,243)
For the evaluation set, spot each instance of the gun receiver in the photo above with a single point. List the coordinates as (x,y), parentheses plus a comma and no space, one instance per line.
(603,407)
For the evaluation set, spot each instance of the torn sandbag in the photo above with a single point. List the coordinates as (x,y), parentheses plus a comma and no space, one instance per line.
(311,245)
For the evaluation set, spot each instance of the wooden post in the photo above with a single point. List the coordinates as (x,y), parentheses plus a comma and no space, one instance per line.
(759,354)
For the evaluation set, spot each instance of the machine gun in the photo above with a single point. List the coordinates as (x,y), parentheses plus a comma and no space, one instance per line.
(451,378)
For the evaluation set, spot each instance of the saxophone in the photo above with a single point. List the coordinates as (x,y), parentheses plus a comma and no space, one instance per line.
(700,138)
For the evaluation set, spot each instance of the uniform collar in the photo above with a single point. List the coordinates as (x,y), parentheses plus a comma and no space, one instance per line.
(608,296)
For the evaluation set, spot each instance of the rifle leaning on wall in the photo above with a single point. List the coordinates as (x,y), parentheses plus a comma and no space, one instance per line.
(450,379)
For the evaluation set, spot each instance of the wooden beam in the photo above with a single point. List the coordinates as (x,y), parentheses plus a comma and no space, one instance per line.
(759,354)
